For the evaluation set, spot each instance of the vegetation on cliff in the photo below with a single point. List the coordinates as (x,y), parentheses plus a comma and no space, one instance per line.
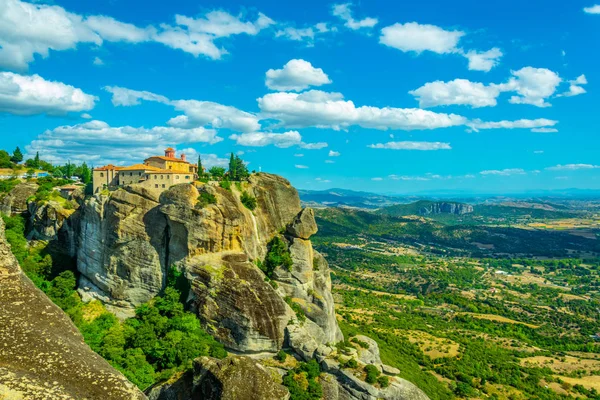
(160,340)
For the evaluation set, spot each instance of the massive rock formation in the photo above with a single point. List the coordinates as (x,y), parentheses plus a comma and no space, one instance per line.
(15,202)
(128,240)
(445,207)
(42,354)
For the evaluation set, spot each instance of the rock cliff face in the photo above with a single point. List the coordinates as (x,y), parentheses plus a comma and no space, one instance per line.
(15,202)
(129,240)
(445,208)
(42,354)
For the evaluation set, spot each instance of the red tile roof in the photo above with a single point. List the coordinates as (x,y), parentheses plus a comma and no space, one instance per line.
(108,167)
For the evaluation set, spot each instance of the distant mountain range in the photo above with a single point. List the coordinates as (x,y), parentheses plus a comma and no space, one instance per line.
(357,199)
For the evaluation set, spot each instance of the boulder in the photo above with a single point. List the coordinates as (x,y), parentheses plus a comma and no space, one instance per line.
(389,370)
(15,202)
(304,225)
(368,355)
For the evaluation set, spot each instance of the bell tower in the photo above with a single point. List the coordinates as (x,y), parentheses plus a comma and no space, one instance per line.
(170,152)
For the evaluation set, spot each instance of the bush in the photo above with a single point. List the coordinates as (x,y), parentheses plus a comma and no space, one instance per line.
(205,199)
(351,363)
(248,201)
(225,184)
(383,381)
(281,356)
(302,382)
(277,255)
(372,373)
(361,343)
(296,308)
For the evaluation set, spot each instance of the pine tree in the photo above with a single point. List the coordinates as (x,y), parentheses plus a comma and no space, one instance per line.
(241,172)
(232,168)
(86,173)
(200,168)
(17,156)
(36,160)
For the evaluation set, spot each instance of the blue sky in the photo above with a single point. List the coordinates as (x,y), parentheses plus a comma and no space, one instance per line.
(380,96)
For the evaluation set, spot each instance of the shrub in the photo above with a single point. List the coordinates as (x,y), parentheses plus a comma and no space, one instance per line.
(383,381)
(277,255)
(302,382)
(351,363)
(361,343)
(225,184)
(205,199)
(248,201)
(372,373)
(281,356)
(296,308)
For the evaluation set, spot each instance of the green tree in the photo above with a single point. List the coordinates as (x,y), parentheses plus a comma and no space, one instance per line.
(86,173)
(241,172)
(232,168)
(5,160)
(200,167)
(217,172)
(36,160)
(17,156)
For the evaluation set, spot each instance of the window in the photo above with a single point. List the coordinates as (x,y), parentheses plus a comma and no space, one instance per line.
(131,174)
(156,186)
(187,177)
(163,185)
(162,177)
(176,176)
(101,174)
(155,177)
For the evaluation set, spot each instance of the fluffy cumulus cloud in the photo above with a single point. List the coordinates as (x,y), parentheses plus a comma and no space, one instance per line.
(334,153)
(282,140)
(456,92)
(195,113)
(28,29)
(29,95)
(95,142)
(329,110)
(572,167)
(296,75)
(503,172)
(423,146)
(344,12)
(484,60)
(306,34)
(595,9)
(418,38)
(533,86)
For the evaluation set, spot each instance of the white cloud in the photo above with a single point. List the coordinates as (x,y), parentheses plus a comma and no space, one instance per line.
(98,61)
(299,166)
(544,130)
(208,160)
(418,38)
(112,30)
(223,24)
(329,162)
(572,167)
(86,116)
(96,141)
(538,152)
(334,153)
(504,172)
(424,146)
(299,155)
(28,29)
(329,110)
(533,86)
(377,179)
(595,9)
(282,140)
(321,180)
(456,92)
(408,178)
(296,34)
(575,88)
(296,75)
(476,125)
(343,12)
(196,113)
(30,95)
(483,61)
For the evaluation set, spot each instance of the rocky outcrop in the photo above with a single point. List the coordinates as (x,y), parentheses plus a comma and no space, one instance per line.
(15,202)
(434,208)
(42,354)
(233,378)
(347,384)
